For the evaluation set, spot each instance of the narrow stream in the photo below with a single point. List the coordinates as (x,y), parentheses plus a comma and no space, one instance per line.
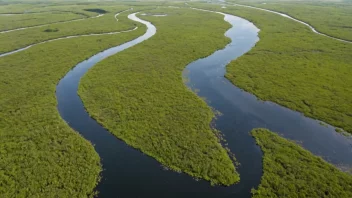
(67,37)
(292,18)
(42,25)
(129,173)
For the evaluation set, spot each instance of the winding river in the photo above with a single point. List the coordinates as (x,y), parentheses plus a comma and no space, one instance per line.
(129,173)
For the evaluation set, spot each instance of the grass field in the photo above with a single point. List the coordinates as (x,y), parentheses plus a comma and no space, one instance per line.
(139,96)
(40,155)
(296,68)
(332,18)
(291,171)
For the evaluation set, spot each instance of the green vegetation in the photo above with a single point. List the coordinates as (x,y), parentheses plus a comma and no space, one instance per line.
(296,68)
(291,171)
(15,8)
(78,9)
(25,20)
(332,18)
(139,96)
(107,23)
(40,155)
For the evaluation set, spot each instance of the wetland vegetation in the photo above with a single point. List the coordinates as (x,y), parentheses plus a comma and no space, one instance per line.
(104,24)
(8,7)
(9,22)
(291,171)
(40,155)
(139,94)
(332,18)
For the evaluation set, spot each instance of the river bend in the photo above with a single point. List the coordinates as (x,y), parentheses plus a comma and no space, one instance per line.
(130,173)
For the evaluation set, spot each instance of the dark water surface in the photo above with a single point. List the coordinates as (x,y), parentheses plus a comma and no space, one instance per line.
(129,173)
